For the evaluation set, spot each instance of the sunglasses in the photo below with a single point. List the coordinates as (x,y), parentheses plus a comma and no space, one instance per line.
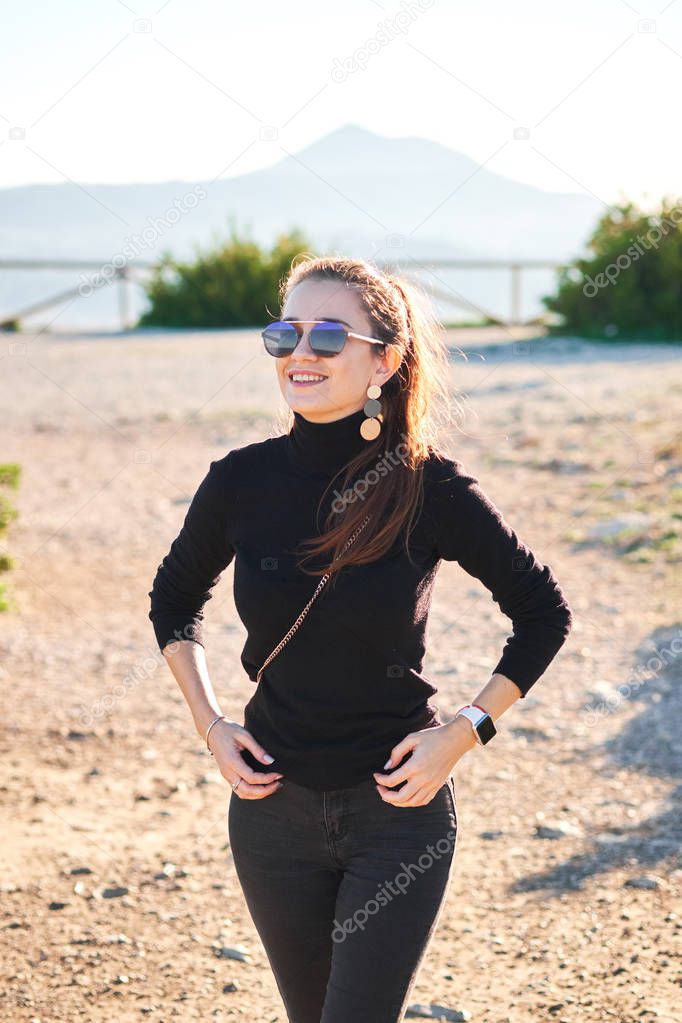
(327,337)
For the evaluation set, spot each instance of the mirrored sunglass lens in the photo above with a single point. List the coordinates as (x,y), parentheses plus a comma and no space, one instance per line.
(280,338)
(328,338)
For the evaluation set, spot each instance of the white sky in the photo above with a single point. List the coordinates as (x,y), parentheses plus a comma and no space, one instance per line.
(101,101)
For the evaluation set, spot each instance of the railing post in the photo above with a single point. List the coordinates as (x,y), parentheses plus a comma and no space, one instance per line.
(515,294)
(122,274)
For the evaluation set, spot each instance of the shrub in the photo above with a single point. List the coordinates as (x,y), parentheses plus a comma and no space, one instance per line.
(10,474)
(631,284)
(230,285)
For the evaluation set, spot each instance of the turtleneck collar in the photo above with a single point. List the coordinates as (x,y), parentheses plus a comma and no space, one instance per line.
(324,448)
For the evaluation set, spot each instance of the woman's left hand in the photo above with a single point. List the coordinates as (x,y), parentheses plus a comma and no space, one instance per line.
(435,751)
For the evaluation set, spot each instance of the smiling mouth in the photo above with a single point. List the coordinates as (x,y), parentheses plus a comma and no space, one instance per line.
(305,378)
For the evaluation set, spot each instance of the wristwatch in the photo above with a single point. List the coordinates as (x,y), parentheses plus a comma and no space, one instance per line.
(481,722)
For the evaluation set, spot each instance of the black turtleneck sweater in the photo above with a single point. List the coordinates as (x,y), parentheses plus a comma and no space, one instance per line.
(348,684)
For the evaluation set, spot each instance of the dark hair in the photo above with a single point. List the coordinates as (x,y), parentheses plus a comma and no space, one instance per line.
(415,402)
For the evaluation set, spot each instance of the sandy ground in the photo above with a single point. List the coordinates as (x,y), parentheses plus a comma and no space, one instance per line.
(117,887)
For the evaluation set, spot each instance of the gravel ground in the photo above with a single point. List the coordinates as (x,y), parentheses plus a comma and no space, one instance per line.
(119,898)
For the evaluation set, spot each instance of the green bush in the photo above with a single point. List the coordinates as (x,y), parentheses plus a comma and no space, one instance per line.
(631,284)
(231,285)
(10,473)
(7,513)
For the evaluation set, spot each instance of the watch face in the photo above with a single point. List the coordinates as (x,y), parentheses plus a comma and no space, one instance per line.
(486,729)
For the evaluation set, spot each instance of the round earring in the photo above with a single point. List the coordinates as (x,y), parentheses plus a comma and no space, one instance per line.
(371,427)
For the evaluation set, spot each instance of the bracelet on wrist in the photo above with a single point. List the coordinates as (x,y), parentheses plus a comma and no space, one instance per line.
(219,717)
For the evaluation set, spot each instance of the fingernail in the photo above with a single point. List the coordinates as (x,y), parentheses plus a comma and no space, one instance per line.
(267,758)
(388,763)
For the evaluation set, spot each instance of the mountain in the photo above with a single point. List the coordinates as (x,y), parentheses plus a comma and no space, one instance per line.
(352,191)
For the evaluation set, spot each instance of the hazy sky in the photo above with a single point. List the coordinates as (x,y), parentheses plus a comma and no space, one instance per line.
(113,91)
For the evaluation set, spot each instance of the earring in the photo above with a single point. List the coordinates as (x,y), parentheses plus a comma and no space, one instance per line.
(371,427)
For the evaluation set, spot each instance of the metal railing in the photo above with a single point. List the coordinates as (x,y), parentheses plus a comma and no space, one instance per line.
(515,268)
(121,275)
(135,271)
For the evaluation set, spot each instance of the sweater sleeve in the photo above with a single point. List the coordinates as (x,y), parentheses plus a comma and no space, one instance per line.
(470,529)
(196,559)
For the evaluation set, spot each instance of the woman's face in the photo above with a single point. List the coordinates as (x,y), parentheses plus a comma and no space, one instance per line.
(344,378)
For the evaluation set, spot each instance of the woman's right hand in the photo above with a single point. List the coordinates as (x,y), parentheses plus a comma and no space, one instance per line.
(226,740)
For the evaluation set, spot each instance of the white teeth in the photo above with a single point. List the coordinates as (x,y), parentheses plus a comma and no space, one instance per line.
(306,376)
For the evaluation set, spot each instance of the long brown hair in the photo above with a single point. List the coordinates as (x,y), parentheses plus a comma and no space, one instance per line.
(415,403)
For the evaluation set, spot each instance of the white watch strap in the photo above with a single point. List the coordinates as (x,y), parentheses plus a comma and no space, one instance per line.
(473,715)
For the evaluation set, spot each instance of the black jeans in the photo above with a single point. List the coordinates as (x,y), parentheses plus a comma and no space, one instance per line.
(345,891)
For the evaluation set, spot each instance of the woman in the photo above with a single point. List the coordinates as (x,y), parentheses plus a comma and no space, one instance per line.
(344,855)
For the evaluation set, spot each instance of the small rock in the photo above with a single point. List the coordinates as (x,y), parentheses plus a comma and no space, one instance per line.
(439,1012)
(610,838)
(645,881)
(561,829)
(164,790)
(114,893)
(170,870)
(232,952)
(57,905)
